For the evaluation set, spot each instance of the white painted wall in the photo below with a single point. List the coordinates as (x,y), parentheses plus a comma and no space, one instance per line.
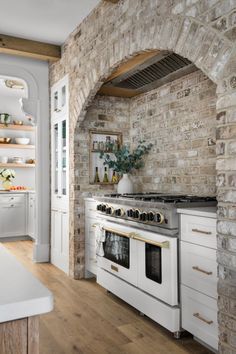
(35,74)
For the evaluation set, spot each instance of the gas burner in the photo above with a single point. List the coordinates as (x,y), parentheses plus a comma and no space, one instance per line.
(163,198)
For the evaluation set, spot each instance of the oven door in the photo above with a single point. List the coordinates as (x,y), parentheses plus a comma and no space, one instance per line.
(120,253)
(158,266)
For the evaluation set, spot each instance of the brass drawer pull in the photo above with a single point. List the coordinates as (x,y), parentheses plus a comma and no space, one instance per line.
(201,270)
(116,269)
(202,232)
(197,315)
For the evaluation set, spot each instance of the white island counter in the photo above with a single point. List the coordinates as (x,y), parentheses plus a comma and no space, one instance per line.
(22,299)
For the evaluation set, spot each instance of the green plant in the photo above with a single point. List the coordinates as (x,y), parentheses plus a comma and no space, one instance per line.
(126,161)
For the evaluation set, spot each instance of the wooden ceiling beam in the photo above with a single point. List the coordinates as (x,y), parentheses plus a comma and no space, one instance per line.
(29,48)
(113,1)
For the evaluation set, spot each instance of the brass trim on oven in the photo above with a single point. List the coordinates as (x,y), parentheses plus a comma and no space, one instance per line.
(121,233)
(197,315)
(164,244)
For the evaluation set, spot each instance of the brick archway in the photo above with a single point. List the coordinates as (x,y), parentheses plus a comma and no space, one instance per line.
(211,52)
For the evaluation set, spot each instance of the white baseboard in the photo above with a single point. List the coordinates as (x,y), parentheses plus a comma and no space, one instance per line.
(41,253)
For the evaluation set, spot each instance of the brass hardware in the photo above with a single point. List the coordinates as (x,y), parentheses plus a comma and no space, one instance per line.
(197,315)
(201,270)
(202,232)
(116,269)
(164,244)
(124,234)
(95,225)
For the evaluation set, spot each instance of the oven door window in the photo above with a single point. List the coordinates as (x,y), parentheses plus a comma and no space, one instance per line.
(153,263)
(117,249)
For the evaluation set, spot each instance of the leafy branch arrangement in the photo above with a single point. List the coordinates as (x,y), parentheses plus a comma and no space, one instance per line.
(126,161)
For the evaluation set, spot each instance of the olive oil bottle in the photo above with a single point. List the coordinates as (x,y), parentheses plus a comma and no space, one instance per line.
(96,178)
(105,178)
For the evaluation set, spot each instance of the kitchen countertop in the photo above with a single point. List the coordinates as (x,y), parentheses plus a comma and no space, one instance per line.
(209,212)
(2,191)
(21,295)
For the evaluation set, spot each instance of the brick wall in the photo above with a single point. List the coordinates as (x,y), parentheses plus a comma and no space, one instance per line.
(202,31)
(179,119)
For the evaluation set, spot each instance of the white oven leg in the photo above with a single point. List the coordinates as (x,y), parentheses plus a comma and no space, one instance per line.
(177,335)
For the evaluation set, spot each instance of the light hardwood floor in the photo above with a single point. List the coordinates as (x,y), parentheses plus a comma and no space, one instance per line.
(87,320)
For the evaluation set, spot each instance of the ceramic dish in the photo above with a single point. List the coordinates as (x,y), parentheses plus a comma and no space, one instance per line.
(5,140)
(22,141)
(17,160)
(17,122)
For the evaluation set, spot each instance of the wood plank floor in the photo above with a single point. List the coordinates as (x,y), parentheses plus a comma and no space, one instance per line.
(87,320)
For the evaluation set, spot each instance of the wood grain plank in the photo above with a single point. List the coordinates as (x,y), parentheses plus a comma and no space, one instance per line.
(33,335)
(29,48)
(13,337)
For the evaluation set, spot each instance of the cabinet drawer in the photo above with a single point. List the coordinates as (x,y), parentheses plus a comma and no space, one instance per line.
(90,259)
(199,268)
(198,230)
(90,236)
(199,316)
(12,199)
(90,209)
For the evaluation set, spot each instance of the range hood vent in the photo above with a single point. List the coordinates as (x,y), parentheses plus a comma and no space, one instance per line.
(156,71)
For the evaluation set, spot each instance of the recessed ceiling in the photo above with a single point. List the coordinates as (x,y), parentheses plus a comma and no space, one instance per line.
(49,21)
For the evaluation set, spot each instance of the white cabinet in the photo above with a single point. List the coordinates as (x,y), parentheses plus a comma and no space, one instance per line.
(31,219)
(60,175)
(90,238)
(12,215)
(59,240)
(199,276)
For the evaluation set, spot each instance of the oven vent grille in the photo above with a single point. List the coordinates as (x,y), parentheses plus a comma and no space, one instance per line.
(157,71)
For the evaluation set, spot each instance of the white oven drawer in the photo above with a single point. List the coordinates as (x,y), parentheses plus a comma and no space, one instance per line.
(199,268)
(198,230)
(199,316)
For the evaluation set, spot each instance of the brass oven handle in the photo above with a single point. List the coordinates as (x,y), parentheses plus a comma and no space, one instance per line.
(201,270)
(133,235)
(202,232)
(197,315)
(116,269)
(164,244)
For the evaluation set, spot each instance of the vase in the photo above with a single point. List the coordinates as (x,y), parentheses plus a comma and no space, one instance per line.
(125,185)
(5,118)
(7,184)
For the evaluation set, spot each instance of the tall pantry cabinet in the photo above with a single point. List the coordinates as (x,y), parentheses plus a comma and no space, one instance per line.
(60,175)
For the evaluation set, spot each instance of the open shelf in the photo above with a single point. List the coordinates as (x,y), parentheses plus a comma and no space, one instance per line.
(17,165)
(103,183)
(16,146)
(17,127)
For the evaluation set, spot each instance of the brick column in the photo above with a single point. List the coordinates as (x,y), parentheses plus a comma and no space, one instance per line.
(226,225)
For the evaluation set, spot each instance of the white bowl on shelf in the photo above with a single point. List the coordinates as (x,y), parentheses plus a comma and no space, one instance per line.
(18,160)
(22,141)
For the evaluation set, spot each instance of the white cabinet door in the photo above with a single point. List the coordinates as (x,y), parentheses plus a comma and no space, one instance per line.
(60,240)
(59,98)
(13,221)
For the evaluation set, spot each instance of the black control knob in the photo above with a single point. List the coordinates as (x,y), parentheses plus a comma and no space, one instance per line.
(119,212)
(99,207)
(150,216)
(109,210)
(136,214)
(130,213)
(143,217)
(160,218)
(103,208)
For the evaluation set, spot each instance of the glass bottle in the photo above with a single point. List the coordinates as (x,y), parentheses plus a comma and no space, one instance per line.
(105,178)
(96,178)
(114,178)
